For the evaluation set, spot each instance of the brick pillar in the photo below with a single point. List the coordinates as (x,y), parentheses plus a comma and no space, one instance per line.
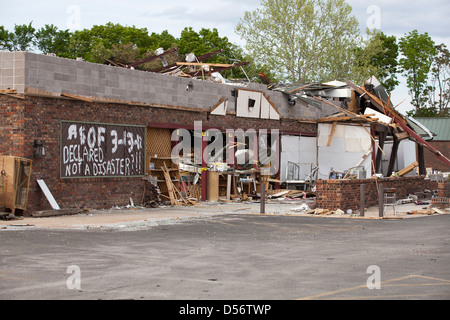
(441,189)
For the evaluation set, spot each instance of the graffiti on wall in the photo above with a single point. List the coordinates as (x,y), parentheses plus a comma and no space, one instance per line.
(101,150)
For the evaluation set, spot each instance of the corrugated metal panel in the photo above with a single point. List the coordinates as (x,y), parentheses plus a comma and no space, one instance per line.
(439,126)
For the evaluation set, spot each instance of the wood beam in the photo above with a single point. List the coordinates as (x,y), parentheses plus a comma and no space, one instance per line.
(330,138)
(381,140)
(393,157)
(203,64)
(399,120)
(421,160)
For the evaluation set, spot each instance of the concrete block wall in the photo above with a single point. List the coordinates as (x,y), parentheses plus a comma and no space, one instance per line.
(21,70)
(12,70)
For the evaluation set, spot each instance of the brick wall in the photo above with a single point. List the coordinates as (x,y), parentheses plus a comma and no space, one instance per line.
(23,121)
(345,194)
(12,127)
(431,161)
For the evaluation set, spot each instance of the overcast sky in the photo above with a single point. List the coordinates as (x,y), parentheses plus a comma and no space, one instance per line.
(396,17)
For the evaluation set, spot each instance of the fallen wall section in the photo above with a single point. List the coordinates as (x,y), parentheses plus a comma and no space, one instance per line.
(344,194)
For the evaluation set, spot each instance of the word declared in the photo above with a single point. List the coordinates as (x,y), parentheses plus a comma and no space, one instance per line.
(101,150)
(247,309)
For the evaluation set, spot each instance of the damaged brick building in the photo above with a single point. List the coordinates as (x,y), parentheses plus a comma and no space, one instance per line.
(95,132)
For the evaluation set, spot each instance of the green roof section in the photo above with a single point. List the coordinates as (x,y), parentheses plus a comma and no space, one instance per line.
(439,126)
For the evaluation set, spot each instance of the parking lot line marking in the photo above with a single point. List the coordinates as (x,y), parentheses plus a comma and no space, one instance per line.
(393,296)
(11,276)
(330,293)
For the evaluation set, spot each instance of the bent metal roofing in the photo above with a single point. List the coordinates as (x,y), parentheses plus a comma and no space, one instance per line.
(439,126)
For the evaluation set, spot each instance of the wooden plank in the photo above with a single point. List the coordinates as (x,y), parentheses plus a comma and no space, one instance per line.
(330,138)
(302,87)
(360,161)
(203,64)
(353,104)
(48,195)
(407,169)
(11,93)
(73,96)
(169,185)
(335,119)
(402,135)
(377,102)
(8,91)
(399,120)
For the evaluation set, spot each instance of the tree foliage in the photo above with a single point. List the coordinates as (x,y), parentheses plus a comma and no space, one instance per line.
(128,43)
(19,40)
(49,39)
(302,40)
(377,56)
(387,61)
(439,87)
(289,40)
(418,52)
(365,64)
(96,44)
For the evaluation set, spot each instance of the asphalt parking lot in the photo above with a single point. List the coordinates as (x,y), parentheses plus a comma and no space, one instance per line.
(232,256)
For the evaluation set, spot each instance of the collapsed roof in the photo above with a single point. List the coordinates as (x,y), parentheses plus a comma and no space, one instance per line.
(368,104)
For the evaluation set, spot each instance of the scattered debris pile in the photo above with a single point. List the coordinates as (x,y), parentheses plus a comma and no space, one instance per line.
(369,106)
(151,195)
(285,194)
(191,67)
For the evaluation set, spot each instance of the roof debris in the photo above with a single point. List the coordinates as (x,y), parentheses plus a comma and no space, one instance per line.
(192,67)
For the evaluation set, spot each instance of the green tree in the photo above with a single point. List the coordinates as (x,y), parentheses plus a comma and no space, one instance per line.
(365,64)
(387,61)
(5,39)
(203,42)
(439,88)
(49,39)
(206,41)
(377,56)
(92,44)
(418,52)
(22,39)
(163,40)
(302,40)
